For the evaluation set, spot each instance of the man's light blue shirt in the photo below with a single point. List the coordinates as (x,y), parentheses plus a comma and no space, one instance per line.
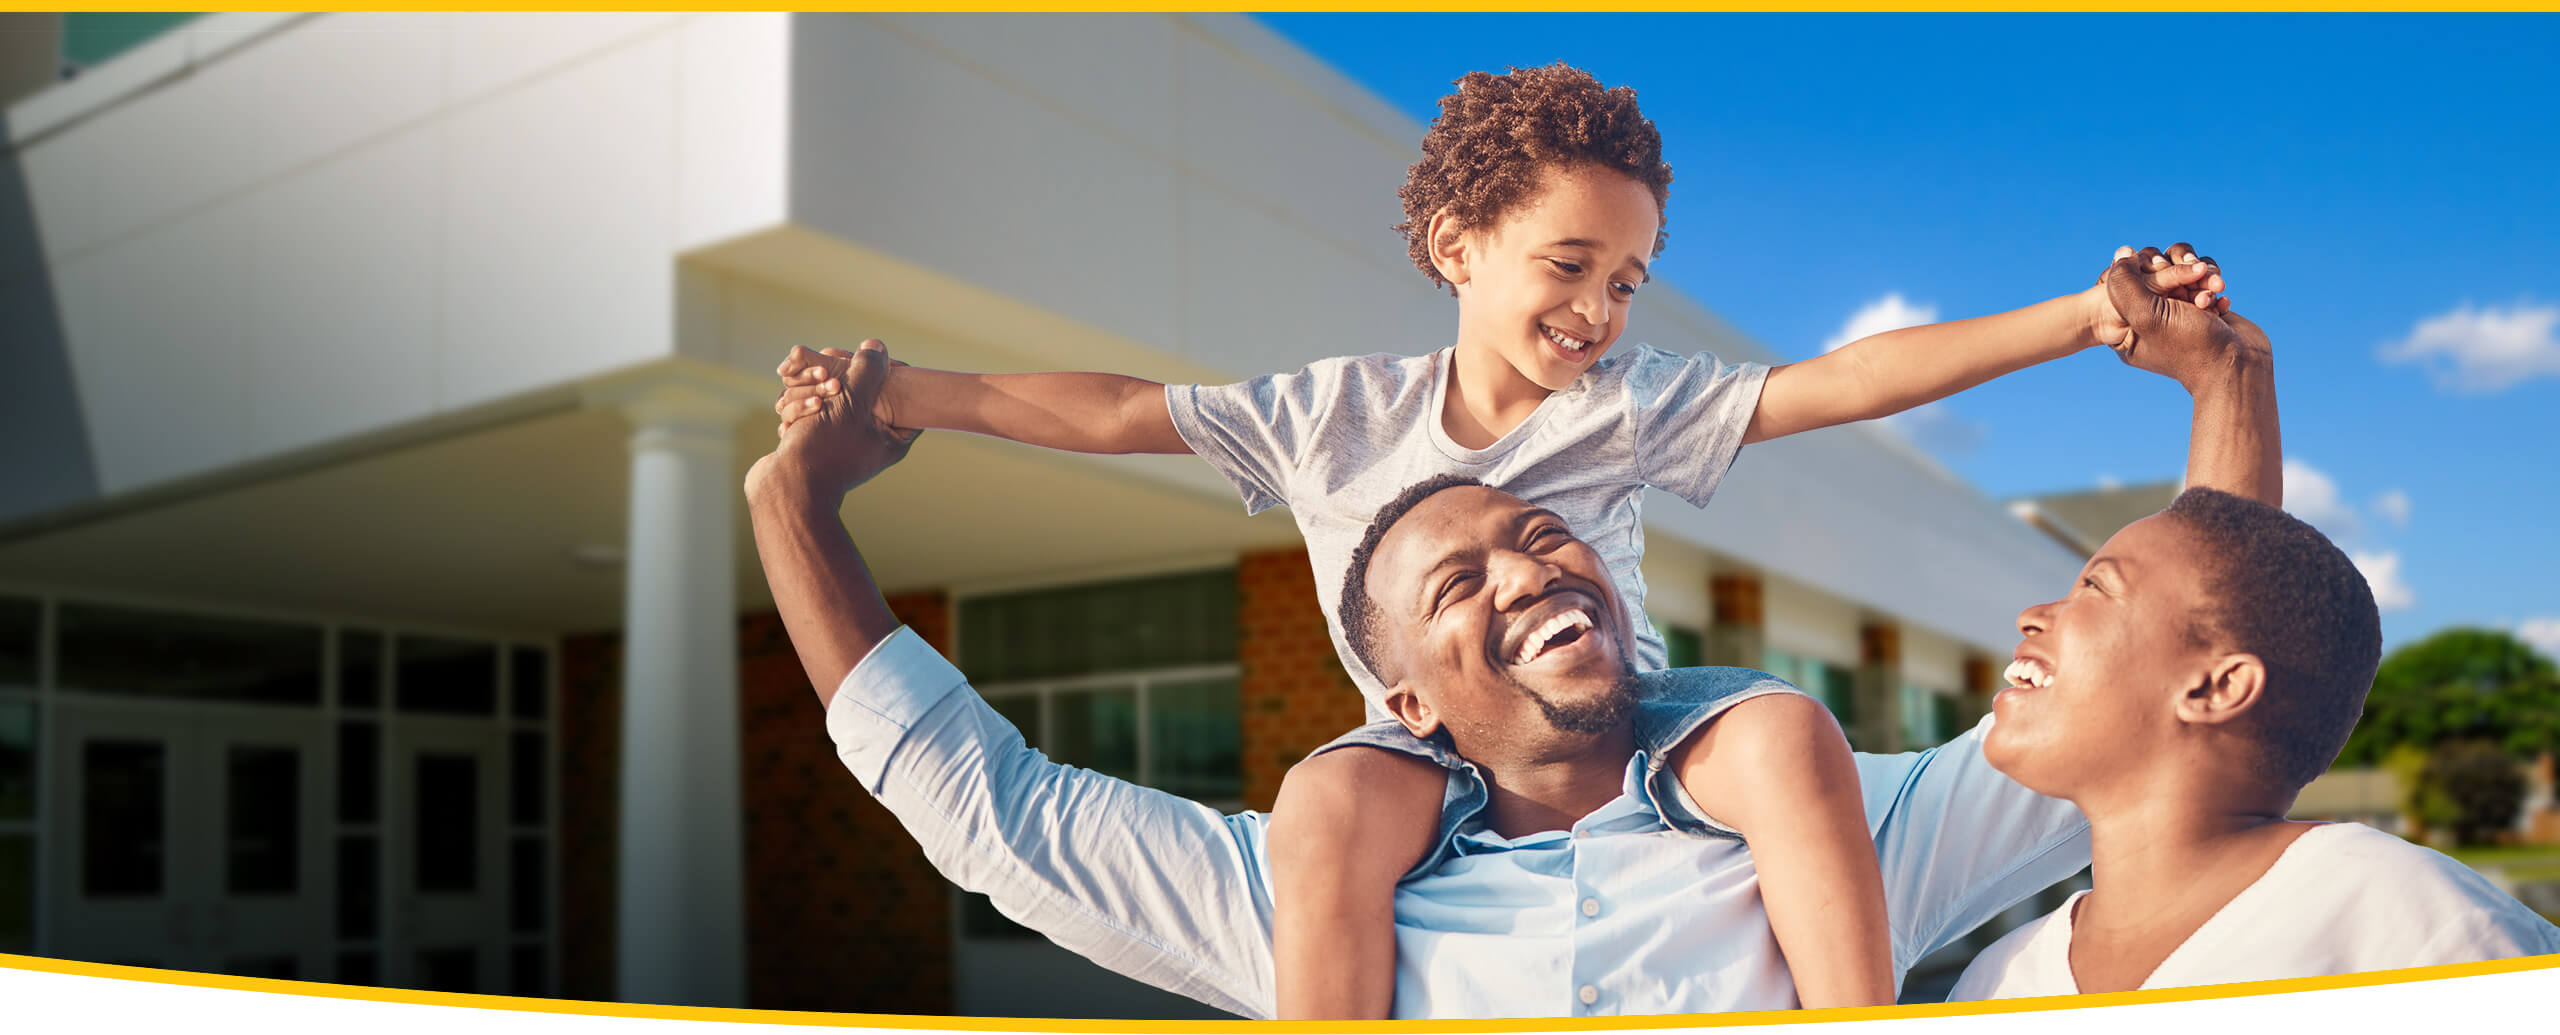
(1619,915)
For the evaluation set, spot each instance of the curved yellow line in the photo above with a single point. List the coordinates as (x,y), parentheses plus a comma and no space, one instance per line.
(1008,1024)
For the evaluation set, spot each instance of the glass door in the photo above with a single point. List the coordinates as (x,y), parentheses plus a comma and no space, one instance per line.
(447,782)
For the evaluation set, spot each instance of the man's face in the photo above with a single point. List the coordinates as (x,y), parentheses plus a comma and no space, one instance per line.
(1502,626)
(2095,683)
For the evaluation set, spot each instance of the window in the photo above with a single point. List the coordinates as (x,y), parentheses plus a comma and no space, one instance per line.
(1135,679)
(90,40)
(1685,648)
(1928,718)
(1834,685)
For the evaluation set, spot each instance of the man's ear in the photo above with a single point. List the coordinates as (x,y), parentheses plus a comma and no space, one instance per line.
(2231,686)
(1449,248)
(1408,708)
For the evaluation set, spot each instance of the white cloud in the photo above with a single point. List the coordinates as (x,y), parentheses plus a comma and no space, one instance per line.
(2542,633)
(2394,507)
(2483,350)
(2382,572)
(2310,494)
(2109,483)
(1890,313)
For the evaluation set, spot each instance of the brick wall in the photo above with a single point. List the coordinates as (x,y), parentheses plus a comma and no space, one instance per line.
(1295,695)
(843,913)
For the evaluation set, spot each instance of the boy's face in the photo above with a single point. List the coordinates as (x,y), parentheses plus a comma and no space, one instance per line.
(1548,285)
(2113,657)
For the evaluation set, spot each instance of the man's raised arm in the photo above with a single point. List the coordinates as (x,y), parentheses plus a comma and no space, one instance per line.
(1156,887)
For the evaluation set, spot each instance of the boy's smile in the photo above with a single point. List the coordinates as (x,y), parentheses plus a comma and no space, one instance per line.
(1544,292)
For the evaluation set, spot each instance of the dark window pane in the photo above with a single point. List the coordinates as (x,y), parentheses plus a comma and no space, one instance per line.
(1096,729)
(17,759)
(1839,689)
(447,677)
(1160,622)
(448,811)
(1682,646)
(1197,739)
(530,681)
(281,967)
(262,829)
(359,772)
(122,650)
(359,968)
(17,892)
(526,886)
(449,970)
(123,813)
(91,38)
(528,972)
(359,889)
(359,668)
(19,619)
(525,774)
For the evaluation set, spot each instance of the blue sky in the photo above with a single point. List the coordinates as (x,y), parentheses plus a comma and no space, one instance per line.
(2384,193)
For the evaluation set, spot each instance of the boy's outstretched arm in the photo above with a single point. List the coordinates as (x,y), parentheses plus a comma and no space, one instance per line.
(1076,412)
(1884,374)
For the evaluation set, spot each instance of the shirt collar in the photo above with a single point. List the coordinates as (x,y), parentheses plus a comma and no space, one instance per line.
(1633,811)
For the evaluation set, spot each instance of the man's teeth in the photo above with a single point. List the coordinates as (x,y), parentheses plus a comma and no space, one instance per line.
(2030,673)
(1558,337)
(1547,630)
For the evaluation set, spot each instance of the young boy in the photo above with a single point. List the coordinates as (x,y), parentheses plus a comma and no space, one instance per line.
(1538,202)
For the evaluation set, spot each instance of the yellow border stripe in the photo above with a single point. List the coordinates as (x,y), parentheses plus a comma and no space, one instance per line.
(1506,6)
(1008,1024)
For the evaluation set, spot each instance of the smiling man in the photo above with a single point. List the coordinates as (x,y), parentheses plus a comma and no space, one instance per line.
(1572,873)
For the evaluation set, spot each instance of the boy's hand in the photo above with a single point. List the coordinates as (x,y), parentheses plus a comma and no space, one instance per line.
(842,443)
(811,378)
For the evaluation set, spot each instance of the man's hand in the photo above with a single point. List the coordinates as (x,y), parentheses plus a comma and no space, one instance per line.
(810,378)
(842,441)
(2174,319)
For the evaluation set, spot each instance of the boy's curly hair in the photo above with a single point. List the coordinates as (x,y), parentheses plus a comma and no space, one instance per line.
(1485,152)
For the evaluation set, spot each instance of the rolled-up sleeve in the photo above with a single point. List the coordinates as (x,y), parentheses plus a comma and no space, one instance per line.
(1153,886)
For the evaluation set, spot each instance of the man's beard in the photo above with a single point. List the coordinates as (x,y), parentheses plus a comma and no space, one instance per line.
(1598,714)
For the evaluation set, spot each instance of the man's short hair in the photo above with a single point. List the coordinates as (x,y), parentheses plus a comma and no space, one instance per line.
(2275,587)
(1357,611)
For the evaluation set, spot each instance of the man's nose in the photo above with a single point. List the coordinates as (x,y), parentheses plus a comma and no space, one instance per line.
(1517,577)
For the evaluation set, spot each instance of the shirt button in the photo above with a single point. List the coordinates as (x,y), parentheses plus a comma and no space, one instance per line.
(1588,995)
(1591,907)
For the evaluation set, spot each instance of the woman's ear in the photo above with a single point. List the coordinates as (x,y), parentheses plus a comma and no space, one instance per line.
(2234,684)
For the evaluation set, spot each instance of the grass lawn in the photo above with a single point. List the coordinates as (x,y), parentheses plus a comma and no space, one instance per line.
(2524,864)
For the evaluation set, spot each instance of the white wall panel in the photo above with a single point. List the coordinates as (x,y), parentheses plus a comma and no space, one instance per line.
(1933,661)
(496,50)
(734,126)
(158,330)
(330,85)
(62,193)
(903,151)
(1805,620)
(172,150)
(558,227)
(1260,295)
(343,329)
(1115,71)
(1274,141)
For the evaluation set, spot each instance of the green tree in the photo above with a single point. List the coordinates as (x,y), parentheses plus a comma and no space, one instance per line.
(2478,778)
(2459,684)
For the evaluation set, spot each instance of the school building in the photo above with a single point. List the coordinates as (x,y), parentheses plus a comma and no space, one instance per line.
(376,599)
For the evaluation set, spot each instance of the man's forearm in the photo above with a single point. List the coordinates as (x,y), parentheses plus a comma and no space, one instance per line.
(2234,443)
(820,586)
(1078,412)
(1884,374)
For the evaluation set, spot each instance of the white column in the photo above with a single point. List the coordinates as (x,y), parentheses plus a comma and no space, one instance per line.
(680,909)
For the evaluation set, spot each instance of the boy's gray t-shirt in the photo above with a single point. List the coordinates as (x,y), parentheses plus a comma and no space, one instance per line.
(1336,441)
